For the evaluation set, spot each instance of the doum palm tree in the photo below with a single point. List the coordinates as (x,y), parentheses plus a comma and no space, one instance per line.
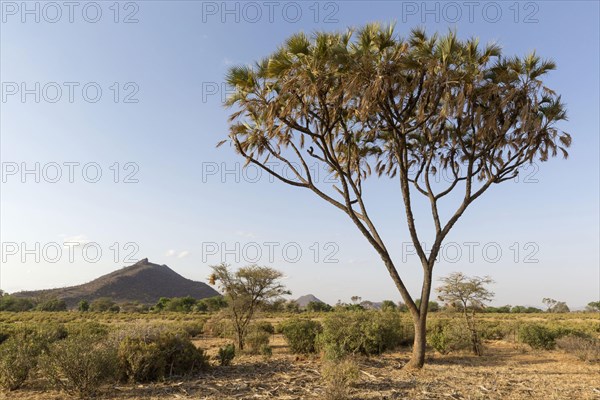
(372,104)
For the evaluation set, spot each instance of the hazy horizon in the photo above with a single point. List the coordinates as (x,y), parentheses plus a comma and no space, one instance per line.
(320,296)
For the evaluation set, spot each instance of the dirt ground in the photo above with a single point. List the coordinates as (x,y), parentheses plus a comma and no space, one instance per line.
(505,372)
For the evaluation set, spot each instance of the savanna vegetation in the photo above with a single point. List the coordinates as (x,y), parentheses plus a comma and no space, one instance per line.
(341,352)
(105,350)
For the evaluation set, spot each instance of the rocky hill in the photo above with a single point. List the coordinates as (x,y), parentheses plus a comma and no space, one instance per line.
(303,301)
(142,282)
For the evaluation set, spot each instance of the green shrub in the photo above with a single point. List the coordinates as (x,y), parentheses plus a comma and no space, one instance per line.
(493,330)
(87,328)
(140,360)
(318,306)
(15,304)
(301,335)
(83,306)
(42,334)
(53,304)
(448,336)
(211,304)
(538,336)
(49,332)
(361,332)
(103,304)
(158,356)
(226,354)
(266,351)
(79,365)
(265,326)
(18,356)
(584,348)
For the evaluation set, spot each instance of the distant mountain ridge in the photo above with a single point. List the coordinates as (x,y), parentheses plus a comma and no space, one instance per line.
(142,282)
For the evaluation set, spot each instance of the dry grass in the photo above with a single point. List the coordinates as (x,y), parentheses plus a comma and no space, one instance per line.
(505,372)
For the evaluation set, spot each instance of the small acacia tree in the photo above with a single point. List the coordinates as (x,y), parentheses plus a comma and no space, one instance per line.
(246,290)
(555,306)
(407,109)
(468,294)
(593,306)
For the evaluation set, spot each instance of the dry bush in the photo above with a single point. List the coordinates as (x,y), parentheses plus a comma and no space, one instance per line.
(155,356)
(257,341)
(18,356)
(192,329)
(584,348)
(219,326)
(21,347)
(79,365)
(338,377)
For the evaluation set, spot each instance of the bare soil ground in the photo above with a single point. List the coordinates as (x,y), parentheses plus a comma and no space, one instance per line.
(505,372)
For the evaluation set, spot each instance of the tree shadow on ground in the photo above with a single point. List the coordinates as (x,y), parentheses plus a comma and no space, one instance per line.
(489,360)
(248,379)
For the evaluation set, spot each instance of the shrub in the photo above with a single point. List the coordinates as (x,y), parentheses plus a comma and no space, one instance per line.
(584,348)
(158,356)
(362,332)
(256,340)
(79,365)
(265,326)
(301,335)
(226,354)
(219,326)
(318,306)
(338,377)
(538,336)
(494,330)
(18,356)
(15,304)
(53,304)
(266,351)
(50,332)
(42,334)
(140,360)
(212,304)
(388,305)
(193,329)
(448,336)
(103,304)
(83,306)
(91,329)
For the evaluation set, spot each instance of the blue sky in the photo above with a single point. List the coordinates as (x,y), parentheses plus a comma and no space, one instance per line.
(179,200)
